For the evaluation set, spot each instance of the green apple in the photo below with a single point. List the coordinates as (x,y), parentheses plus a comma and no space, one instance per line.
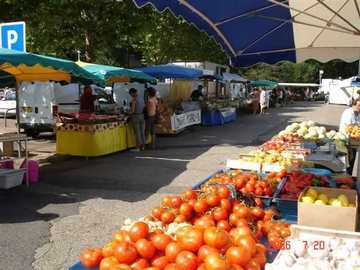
(336,202)
(323,198)
(307,199)
(343,199)
(312,192)
(319,202)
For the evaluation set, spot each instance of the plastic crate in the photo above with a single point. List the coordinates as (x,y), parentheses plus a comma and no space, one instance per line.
(11,178)
(199,184)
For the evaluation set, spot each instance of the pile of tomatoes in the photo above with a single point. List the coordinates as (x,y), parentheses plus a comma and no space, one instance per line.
(218,233)
(249,182)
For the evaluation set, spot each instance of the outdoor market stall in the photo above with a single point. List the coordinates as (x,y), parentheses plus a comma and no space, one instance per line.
(177,112)
(248,219)
(21,67)
(92,135)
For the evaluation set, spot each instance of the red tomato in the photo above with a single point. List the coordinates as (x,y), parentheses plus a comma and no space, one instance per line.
(217,238)
(257,213)
(190,194)
(201,267)
(213,200)
(122,236)
(259,191)
(106,263)
(248,242)
(268,215)
(167,217)
(172,250)
(249,188)
(160,262)
(223,224)
(233,219)
(238,255)
(216,262)
(201,206)
(190,238)
(226,204)
(170,266)
(220,214)
(204,222)
(175,202)
(156,212)
(223,192)
(260,258)
(186,260)
(186,210)
(242,212)
(140,264)
(180,219)
(145,248)
(252,265)
(241,222)
(160,241)
(108,249)
(166,201)
(258,202)
(91,257)
(125,252)
(204,251)
(120,266)
(138,231)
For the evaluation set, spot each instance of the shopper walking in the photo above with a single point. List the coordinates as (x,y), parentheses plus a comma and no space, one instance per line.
(152,110)
(137,118)
(263,101)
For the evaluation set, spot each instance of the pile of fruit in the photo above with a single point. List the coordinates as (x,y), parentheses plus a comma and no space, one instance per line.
(312,196)
(353,131)
(298,181)
(307,130)
(205,229)
(249,182)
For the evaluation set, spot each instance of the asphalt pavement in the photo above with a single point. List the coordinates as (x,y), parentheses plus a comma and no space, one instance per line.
(80,203)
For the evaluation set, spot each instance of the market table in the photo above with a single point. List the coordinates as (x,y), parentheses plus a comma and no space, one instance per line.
(219,116)
(92,140)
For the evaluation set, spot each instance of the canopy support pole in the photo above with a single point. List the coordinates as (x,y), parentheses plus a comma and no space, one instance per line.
(17,108)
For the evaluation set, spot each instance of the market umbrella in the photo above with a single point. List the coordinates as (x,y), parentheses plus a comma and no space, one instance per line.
(172,71)
(112,74)
(25,66)
(264,83)
(269,31)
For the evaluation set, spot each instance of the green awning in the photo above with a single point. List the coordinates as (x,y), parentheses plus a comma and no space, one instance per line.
(112,74)
(264,83)
(32,67)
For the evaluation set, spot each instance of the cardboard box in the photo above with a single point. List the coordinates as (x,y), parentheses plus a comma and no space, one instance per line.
(328,216)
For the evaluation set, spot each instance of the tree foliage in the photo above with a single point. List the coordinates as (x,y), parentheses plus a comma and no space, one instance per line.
(114,31)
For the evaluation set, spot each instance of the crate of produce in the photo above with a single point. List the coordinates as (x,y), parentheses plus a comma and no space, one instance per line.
(290,190)
(318,248)
(11,178)
(331,208)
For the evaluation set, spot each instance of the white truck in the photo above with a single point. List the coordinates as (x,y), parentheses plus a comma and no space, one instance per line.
(39,102)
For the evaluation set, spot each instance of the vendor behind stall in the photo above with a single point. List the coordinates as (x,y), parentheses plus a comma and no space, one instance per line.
(137,118)
(87,100)
(351,116)
(197,94)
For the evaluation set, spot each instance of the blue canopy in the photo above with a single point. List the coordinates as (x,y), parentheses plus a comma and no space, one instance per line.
(269,31)
(173,72)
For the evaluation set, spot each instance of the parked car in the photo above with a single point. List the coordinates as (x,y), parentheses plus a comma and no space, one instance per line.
(8,103)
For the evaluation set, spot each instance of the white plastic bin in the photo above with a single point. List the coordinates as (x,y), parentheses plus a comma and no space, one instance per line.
(11,178)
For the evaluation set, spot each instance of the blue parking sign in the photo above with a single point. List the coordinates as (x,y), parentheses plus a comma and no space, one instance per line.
(12,36)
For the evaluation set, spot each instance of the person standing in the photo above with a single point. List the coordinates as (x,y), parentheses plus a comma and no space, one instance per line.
(152,109)
(263,101)
(87,100)
(137,106)
(197,94)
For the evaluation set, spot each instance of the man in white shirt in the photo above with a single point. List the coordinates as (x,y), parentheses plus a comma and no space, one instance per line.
(350,116)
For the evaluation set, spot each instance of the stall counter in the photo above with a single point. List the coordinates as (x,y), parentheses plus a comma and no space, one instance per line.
(92,140)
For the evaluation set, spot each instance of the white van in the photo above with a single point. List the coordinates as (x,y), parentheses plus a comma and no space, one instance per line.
(40,101)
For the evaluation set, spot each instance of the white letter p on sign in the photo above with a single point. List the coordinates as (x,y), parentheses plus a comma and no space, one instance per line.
(12,37)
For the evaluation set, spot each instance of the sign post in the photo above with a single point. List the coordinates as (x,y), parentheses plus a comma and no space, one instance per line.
(13,36)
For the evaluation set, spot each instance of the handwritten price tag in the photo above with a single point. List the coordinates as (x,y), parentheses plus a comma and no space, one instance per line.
(317,245)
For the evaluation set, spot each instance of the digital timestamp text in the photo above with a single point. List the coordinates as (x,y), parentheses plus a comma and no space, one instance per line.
(316,245)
